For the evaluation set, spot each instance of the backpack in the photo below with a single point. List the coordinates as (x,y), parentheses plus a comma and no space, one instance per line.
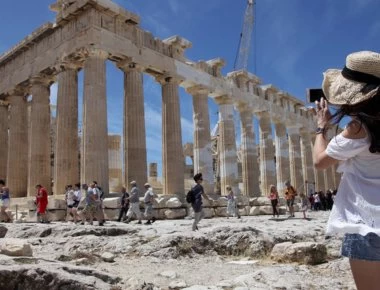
(190,197)
(101,193)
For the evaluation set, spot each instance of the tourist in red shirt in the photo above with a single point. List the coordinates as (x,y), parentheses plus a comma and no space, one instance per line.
(41,202)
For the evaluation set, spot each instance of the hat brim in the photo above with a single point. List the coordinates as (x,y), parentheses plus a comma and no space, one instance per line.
(341,91)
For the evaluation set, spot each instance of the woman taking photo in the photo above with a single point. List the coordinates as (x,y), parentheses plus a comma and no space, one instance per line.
(273,196)
(356,213)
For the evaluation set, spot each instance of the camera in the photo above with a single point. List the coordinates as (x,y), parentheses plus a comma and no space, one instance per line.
(313,95)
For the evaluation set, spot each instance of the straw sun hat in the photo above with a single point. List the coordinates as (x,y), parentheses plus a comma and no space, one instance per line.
(357,82)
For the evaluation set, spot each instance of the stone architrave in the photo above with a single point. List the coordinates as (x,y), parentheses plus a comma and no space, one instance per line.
(202,137)
(267,153)
(115,164)
(39,164)
(282,156)
(307,159)
(173,165)
(227,145)
(17,169)
(66,155)
(94,166)
(4,124)
(295,160)
(251,176)
(134,140)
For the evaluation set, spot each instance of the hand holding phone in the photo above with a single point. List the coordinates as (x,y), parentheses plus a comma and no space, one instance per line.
(314,95)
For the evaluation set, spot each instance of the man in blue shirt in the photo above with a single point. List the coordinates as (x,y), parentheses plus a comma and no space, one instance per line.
(198,192)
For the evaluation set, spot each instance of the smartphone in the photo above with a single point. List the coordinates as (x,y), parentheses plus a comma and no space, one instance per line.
(313,95)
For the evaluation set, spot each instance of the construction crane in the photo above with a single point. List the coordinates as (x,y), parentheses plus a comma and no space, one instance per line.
(241,60)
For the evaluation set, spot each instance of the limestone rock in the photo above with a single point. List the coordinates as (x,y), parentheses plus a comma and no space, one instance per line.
(255,210)
(16,247)
(221,211)
(208,212)
(266,209)
(305,252)
(177,284)
(108,257)
(3,231)
(175,213)
(221,201)
(113,202)
(169,274)
(173,202)
(54,203)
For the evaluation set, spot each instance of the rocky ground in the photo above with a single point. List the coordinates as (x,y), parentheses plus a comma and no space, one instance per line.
(249,253)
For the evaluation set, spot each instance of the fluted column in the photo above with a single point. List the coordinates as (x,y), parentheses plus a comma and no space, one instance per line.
(329,174)
(115,164)
(295,161)
(307,160)
(337,177)
(66,155)
(4,123)
(267,153)
(250,167)
(95,136)
(134,140)
(282,156)
(17,169)
(202,137)
(318,176)
(39,164)
(172,153)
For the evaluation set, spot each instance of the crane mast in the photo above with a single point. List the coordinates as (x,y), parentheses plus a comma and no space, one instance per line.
(241,62)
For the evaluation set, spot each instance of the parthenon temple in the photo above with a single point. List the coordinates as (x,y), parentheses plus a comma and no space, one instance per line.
(85,35)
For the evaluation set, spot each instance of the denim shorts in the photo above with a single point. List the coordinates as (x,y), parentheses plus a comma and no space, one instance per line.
(360,247)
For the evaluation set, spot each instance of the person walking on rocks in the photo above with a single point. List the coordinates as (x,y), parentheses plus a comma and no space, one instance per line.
(290,195)
(148,202)
(69,201)
(274,199)
(304,204)
(41,203)
(232,209)
(99,202)
(77,199)
(135,203)
(355,93)
(5,202)
(90,209)
(124,204)
(198,192)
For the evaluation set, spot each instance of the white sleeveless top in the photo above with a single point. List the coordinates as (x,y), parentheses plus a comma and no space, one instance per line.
(357,204)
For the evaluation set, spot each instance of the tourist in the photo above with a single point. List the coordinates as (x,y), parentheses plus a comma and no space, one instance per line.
(355,93)
(311,201)
(304,204)
(290,195)
(5,202)
(198,192)
(317,202)
(274,199)
(124,204)
(41,202)
(329,199)
(99,202)
(148,202)
(77,199)
(90,209)
(232,209)
(69,201)
(134,203)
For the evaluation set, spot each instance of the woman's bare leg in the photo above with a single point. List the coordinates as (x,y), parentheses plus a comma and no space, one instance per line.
(366,274)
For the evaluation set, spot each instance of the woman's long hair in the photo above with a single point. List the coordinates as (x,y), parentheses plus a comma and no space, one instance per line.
(368,114)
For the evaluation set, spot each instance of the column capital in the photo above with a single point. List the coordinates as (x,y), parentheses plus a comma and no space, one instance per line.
(198,90)
(41,79)
(68,64)
(126,65)
(223,100)
(4,103)
(244,108)
(262,115)
(166,79)
(17,91)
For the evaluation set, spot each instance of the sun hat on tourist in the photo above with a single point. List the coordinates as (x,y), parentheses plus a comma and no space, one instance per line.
(357,82)
(147,185)
(133,182)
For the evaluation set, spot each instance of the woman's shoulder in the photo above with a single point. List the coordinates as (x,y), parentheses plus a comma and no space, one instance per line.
(354,130)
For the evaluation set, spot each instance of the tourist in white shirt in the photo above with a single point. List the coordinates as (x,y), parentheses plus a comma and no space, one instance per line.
(355,91)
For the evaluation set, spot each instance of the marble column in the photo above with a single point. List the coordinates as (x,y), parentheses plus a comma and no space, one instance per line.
(115,164)
(134,140)
(94,165)
(39,163)
(250,166)
(202,137)
(295,161)
(282,156)
(337,177)
(267,153)
(318,175)
(17,169)
(4,124)
(329,174)
(227,146)
(172,153)
(307,161)
(153,172)
(66,155)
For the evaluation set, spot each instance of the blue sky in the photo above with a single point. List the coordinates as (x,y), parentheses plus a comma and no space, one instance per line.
(294,42)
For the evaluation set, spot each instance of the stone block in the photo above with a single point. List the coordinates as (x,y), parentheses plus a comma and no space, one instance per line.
(31,204)
(173,202)
(242,200)
(113,202)
(266,209)
(242,211)
(255,210)
(16,248)
(54,203)
(208,212)
(175,213)
(309,253)
(162,200)
(221,211)
(247,210)
(221,201)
